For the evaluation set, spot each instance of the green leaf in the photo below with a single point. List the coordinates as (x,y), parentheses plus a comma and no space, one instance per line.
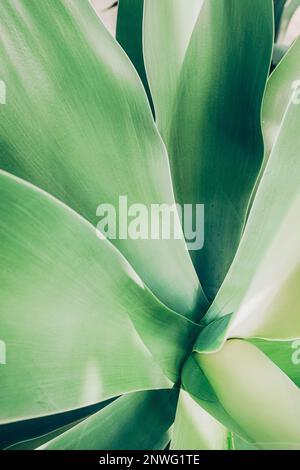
(72,306)
(256,393)
(267,295)
(132,422)
(288,13)
(214,139)
(196,383)
(32,444)
(130,36)
(212,337)
(285,354)
(278,11)
(168,26)
(270,307)
(278,96)
(24,434)
(77,124)
(195,429)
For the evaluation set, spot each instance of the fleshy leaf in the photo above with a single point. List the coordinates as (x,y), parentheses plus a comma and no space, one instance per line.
(278,95)
(256,393)
(73,306)
(77,124)
(272,225)
(130,36)
(215,140)
(168,27)
(195,429)
(138,421)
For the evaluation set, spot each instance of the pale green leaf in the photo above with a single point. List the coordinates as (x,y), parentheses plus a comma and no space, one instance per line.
(168,27)
(256,393)
(215,139)
(278,95)
(270,237)
(132,422)
(77,124)
(195,429)
(73,310)
(130,36)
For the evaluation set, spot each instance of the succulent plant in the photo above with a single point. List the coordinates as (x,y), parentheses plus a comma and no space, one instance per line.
(140,343)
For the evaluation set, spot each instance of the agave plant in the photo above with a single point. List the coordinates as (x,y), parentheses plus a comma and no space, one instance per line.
(141,344)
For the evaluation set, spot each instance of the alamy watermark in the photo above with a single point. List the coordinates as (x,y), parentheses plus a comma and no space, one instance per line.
(2,352)
(296,92)
(2,92)
(296,353)
(152,222)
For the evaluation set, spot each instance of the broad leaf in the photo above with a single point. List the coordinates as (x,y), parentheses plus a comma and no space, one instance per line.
(278,11)
(73,306)
(130,36)
(215,140)
(270,234)
(256,393)
(285,354)
(287,15)
(168,26)
(134,421)
(77,124)
(270,308)
(24,434)
(278,95)
(195,429)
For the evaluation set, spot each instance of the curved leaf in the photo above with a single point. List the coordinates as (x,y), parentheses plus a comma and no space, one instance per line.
(272,225)
(130,36)
(132,422)
(78,125)
(195,429)
(285,354)
(168,26)
(270,308)
(71,306)
(278,95)
(278,10)
(268,403)
(24,434)
(215,140)
(288,13)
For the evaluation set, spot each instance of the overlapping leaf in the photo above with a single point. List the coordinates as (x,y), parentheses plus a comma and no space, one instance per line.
(195,429)
(256,394)
(73,307)
(168,27)
(214,137)
(130,36)
(77,124)
(135,421)
(272,225)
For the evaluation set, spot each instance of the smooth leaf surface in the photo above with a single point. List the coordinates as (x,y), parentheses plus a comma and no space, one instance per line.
(288,13)
(23,434)
(278,11)
(133,422)
(195,429)
(215,139)
(285,354)
(73,306)
(77,124)
(168,27)
(129,34)
(199,387)
(270,308)
(272,223)
(268,403)
(278,95)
